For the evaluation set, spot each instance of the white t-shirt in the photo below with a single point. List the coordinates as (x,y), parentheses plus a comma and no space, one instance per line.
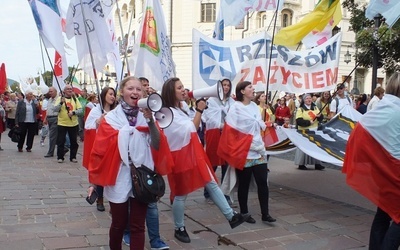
(373,102)
(342,103)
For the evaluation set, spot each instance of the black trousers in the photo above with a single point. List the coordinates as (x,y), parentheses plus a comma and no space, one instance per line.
(260,173)
(384,234)
(28,130)
(72,133)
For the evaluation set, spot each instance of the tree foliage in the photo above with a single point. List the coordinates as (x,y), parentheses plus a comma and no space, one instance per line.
(367,36)
(48,76)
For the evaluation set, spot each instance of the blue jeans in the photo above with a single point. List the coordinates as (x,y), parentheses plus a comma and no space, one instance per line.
(224,168)
(152,223)
(384,235)
(216,195)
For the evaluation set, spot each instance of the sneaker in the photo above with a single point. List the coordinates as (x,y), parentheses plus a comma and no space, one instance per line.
(250,220)
(60,160)
(182,235)
(209,201)
(237,219)
(1,149)
(268,218)
(302,167)
(158,244)
(42,143)
(74,160)
(319,167)
(126,239)
(20,150)
(48,156)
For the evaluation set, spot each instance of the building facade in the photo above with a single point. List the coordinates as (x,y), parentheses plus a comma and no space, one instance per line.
(184,15)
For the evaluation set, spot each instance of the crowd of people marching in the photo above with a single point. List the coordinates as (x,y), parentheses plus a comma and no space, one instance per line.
(117,133)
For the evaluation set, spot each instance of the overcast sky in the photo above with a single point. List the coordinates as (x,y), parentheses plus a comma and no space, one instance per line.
(20,46)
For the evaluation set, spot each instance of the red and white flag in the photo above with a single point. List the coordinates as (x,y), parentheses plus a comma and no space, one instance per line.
(60,69)
(48,18)
(213,117)
(372,160)
(192,169)
(242,132)
(3,78)
(90,133)
(151,56)
(98,33)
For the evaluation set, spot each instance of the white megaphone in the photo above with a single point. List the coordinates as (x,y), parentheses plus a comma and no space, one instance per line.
(153,102)
(213,91)
(164,117)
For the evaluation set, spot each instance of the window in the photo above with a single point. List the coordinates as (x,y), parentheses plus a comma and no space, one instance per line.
(132,8)
(287,16)
(208,12)
(262,17)
(344,77)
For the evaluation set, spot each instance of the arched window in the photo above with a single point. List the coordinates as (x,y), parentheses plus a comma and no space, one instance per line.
(287,16)
(262,18)
(132,8)
(124,12)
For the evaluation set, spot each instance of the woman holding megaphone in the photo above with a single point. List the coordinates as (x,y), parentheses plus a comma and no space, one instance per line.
(192,169)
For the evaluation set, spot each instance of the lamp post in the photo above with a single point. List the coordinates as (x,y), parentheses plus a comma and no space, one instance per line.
(347,56)
(107,81)
(375,54)
(101,83)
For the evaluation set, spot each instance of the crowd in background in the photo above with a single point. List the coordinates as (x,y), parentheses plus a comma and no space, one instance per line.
(61,118)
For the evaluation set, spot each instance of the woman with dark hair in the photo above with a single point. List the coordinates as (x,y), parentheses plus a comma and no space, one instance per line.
(265,109)
(245,151)
(192,169)
(25,119)
(281,112)
(214,118)
(96,115)
(362,104)
(307,117)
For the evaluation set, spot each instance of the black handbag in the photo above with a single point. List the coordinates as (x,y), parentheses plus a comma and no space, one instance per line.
(14,134)
(147,185)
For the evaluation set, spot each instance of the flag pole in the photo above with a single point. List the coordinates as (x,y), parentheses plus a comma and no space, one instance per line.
(352,71)
(126,49)
(270,51)
(52,69)
(126,45)
(91,57)
(41,50)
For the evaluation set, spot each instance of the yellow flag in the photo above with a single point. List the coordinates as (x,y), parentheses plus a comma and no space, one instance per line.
(316,20)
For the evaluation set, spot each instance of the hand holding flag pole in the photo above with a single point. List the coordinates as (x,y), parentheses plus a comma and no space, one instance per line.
(271,48)
(352,71)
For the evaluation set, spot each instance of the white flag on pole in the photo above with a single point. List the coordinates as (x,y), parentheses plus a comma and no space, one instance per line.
(98,31)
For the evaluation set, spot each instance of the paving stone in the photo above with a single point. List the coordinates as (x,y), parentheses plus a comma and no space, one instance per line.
(42,206)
